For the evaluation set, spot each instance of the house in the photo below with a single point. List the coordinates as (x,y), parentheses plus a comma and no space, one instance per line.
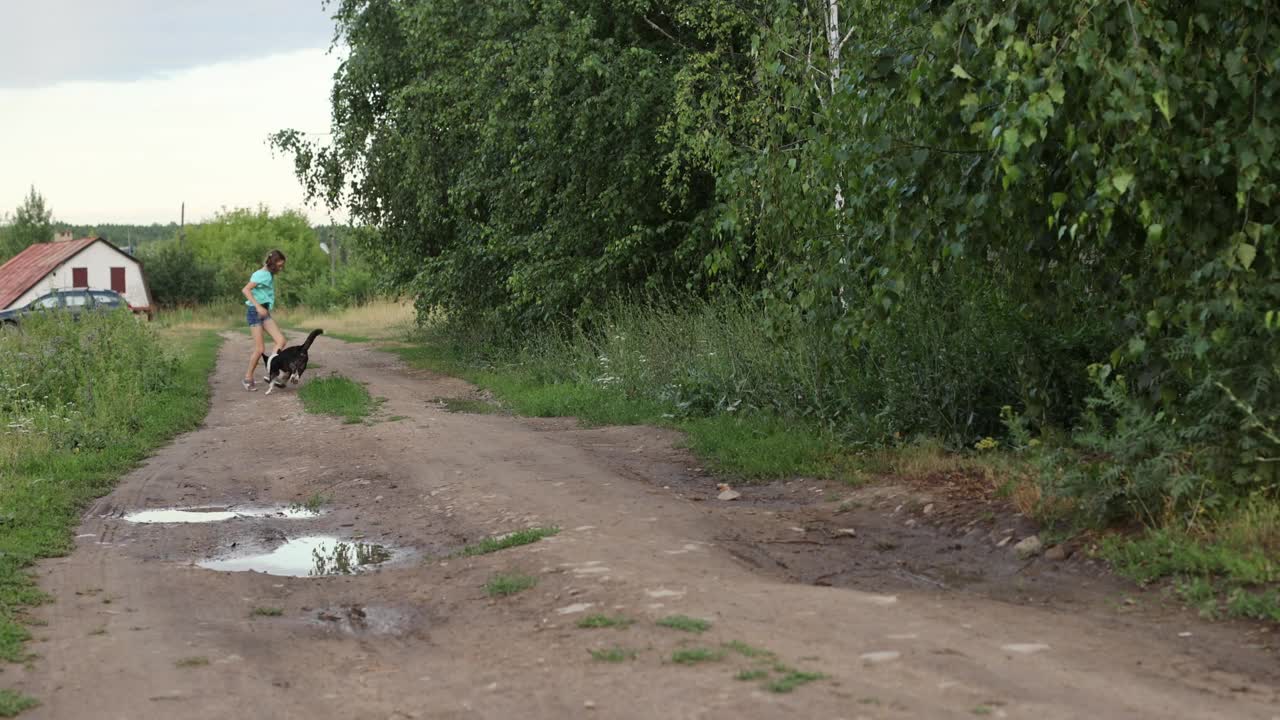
(62,264)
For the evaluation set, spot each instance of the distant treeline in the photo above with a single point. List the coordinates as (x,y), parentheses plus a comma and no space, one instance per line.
(121,235)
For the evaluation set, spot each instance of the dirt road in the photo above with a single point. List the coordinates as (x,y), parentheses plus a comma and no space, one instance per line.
(138,630)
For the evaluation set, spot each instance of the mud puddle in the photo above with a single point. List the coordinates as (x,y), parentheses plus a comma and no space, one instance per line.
(370,619)
(216,514)
(312,556)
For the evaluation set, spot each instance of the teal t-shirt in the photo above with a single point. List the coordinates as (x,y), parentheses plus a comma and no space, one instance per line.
(265,290)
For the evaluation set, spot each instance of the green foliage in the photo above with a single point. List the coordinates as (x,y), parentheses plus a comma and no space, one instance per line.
(506,584)
(337,395)
(685,623)
(32,223)
(12,704)
(956,208)
(122,235)
(792,680)
(613,655)
(235,242)
(696,656)
(177,275)
(510,540)
(605,621)
(72,427)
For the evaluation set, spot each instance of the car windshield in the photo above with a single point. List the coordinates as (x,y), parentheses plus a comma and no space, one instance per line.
(47,302)
(109,299)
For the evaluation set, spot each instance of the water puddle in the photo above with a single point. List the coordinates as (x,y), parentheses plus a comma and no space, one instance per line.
(217,514)
(368,619)
(312,556)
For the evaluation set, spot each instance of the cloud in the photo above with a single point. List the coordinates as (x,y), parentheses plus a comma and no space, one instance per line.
(132,152)
(56,41)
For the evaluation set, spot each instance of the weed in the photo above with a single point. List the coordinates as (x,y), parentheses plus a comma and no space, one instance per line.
(503,585)
(613,655)
(339,396)
(192,662)
(510,540)
(74,426)
(313,504)
(267,612)
(685,623)
(747,650)
(98,631)
(12,703)
(792,680)
(694,656)
(748,675)
(982,710)
(605,621)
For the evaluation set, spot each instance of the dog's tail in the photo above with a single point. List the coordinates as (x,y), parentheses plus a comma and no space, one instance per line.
(311,338)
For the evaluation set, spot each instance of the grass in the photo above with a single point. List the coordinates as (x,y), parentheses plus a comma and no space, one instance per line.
(510,540)
(605,621)
(338,396)
(696,656)
(747,650)
(507,584)
(52,469)
(613,655)
(12,703)
(791,680)
(1229,568)
(751,446)
(378,320)
(192,662)
(313,504)
(749,675)
(685,623)
(267,612)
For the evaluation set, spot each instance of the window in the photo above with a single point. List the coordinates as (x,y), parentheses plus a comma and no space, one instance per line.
(105,299)
(117,279)
(76,299)
(48,302)
(79,277)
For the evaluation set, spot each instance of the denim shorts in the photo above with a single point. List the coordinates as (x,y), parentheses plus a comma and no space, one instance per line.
(251,315)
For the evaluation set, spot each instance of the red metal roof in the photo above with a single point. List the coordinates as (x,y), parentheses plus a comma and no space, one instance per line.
(30,266)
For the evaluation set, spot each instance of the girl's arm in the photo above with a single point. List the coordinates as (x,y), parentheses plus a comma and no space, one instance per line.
(248,295)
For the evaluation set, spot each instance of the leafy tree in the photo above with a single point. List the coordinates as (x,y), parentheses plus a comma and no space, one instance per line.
(236,241)
(177,275)
(971,201)
(32,223)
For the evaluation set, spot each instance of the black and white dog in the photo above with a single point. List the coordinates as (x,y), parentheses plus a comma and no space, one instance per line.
(288,364)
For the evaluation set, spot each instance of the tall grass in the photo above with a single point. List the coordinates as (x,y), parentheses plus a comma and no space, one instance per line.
(80,403)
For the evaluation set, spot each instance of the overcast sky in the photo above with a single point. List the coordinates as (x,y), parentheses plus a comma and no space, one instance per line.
(119,110)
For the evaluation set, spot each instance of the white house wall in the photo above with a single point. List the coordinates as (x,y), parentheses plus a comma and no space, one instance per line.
(98,258)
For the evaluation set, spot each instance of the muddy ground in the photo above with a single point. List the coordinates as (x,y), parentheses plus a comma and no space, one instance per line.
(906,596)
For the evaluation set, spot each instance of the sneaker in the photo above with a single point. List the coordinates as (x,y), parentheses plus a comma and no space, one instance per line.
(249,385)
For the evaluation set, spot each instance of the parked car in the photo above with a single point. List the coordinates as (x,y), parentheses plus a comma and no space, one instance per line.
(74,301)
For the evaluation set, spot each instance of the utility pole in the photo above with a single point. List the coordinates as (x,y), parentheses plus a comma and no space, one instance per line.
(182,227)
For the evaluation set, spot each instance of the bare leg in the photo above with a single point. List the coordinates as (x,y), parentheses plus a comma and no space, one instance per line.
(276,336)
(257,351)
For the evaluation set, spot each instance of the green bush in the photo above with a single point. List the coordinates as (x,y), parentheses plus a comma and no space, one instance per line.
(177,276)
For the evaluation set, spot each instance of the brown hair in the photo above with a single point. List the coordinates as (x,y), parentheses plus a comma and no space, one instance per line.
(273,257)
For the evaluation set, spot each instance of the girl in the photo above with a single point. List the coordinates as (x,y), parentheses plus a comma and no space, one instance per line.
(260,296)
